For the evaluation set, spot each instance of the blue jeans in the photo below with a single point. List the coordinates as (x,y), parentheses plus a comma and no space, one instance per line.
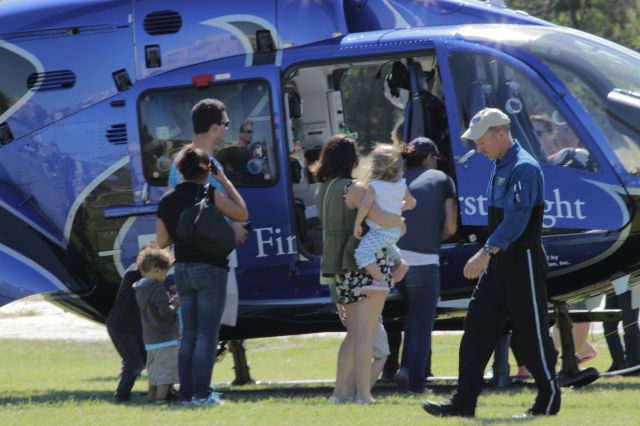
(202,289)
(422,289)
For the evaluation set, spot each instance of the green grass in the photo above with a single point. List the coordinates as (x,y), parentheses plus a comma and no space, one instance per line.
(71,383)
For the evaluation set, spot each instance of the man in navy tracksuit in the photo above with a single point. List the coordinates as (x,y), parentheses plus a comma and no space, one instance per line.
(511,269)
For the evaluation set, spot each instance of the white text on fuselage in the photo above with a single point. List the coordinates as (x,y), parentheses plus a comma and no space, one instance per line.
(270,238)
(554,209)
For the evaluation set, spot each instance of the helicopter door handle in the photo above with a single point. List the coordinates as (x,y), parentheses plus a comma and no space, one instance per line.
(144,194)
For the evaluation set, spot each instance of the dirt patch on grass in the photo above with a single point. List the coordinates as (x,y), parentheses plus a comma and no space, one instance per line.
(33,318)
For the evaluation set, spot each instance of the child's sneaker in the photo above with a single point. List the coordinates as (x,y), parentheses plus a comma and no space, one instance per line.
(213,399)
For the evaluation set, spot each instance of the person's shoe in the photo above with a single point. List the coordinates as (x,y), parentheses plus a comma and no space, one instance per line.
(121,399)
(446,409)
(584,359)
(521,376)
(532,413)
(542,407)
(616,367)
(363,402)
(213,399)
(499,381)
(172,395)
(402,380)
(338,400)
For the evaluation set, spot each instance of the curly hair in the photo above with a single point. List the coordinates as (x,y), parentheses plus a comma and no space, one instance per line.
(386,164)
(151,256)
(338,158)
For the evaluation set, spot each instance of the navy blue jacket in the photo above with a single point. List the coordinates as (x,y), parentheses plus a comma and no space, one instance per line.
(516,188)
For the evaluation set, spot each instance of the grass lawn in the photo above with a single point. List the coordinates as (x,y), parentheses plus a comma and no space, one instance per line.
(71,383)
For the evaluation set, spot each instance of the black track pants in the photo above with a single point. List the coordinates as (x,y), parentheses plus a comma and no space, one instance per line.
(513,288)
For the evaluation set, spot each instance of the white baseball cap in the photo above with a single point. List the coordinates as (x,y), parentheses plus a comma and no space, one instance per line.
(483,120)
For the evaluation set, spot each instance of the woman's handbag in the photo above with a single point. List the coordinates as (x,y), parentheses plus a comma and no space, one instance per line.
(203,226)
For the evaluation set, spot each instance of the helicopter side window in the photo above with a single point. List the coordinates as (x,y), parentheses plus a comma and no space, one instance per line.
(247,153)
(535,123)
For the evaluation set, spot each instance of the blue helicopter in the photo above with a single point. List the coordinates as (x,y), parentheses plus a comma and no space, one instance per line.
(95,100)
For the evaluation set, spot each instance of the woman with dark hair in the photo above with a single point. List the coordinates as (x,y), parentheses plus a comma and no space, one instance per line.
(337,200)
(201,279)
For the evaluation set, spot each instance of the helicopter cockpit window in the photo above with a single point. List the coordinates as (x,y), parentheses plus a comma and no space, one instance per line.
(15,72)
(248,153)
(535,123)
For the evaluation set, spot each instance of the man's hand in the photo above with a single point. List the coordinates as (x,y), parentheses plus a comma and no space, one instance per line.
(240,232)
(476,265)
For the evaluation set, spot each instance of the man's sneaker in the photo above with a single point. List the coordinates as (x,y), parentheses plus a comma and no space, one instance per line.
(542,407)
(446,409)
(213,399)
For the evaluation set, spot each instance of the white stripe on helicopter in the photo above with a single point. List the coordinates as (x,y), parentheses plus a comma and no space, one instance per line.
(34,225)
(35,267)
(87,190)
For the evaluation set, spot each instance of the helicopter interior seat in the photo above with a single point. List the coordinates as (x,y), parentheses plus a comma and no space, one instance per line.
(425,112)
(417,113)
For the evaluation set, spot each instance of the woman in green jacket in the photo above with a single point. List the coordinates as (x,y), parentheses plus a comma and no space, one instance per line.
(337,202)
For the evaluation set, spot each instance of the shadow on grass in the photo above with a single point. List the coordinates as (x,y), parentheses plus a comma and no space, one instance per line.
(248,394)
(601,385)
(291,393)
(57,397)
(505,420)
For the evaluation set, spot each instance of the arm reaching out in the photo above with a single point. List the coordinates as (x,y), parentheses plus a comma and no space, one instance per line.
(363,211)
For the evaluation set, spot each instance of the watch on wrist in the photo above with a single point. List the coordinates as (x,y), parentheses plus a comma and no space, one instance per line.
(487,249)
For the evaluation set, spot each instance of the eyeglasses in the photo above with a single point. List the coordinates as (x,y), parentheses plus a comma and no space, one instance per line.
(247,131)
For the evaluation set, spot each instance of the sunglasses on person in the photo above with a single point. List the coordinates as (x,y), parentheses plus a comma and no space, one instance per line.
(247,131)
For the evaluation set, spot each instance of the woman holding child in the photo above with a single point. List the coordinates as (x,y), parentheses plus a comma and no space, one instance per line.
(201,279)
(337,200)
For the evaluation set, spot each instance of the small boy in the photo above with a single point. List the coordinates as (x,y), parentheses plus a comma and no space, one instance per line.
(159,321)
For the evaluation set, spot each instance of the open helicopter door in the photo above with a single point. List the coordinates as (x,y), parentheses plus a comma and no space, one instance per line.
(583,195)
(250,155)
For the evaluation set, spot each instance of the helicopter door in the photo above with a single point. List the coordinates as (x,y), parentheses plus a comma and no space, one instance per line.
(249,156)
(580,185)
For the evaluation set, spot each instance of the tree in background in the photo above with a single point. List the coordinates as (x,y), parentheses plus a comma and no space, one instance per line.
(617,20)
